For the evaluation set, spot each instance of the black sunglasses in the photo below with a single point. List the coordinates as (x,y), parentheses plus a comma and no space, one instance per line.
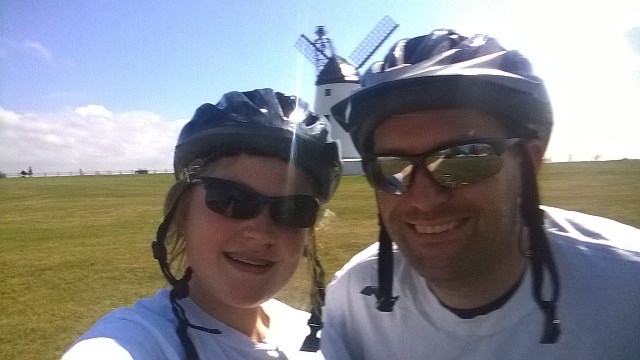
(450,166)
(234,200)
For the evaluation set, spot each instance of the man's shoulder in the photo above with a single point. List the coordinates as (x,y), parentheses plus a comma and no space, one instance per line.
(591,230)
(594,251)
(363,267)
(363,259)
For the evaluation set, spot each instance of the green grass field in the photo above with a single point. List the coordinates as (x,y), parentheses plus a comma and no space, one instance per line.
(74,248)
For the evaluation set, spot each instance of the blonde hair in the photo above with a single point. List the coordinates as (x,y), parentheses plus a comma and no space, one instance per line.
(178,196)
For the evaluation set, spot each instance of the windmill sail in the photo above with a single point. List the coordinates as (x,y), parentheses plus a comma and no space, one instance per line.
(380,33)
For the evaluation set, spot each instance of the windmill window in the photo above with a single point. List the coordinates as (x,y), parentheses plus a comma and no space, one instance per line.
(327,92)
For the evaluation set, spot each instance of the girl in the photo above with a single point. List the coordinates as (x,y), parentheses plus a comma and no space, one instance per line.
(252,173)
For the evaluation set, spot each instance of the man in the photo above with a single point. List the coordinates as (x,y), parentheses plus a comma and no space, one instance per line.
(452,131)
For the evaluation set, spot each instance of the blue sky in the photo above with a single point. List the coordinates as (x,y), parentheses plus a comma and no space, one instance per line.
(106,85)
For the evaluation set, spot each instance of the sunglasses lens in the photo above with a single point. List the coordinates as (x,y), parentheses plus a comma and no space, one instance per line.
(391,174)
(451,167)
(463,165)
(232,201)
(299,211)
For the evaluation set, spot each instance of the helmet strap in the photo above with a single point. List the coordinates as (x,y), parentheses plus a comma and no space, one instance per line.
(159,248)
(311,342)
(541,258)
(384,290)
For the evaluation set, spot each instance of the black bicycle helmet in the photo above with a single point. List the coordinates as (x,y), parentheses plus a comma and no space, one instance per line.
(445,69)
(266,122)
(263,122)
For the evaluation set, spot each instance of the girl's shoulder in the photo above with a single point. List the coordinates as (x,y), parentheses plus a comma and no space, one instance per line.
(147,328)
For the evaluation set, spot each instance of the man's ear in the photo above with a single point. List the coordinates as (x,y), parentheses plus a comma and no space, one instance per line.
(535,150)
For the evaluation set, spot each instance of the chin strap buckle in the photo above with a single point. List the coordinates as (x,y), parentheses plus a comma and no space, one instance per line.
(384,303)
(552,324)
(312,343)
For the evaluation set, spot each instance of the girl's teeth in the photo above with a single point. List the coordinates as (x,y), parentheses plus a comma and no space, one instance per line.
(256,262)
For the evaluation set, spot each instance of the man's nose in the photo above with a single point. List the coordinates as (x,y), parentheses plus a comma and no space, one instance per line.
(425,193)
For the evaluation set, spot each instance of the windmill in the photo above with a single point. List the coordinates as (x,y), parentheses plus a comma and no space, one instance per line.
(337,78)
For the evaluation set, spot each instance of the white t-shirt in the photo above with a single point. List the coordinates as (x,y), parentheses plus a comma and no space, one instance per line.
(598,262)
(147,331)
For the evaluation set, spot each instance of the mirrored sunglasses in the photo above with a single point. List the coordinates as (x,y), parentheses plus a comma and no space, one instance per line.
(450,166)
(231,199)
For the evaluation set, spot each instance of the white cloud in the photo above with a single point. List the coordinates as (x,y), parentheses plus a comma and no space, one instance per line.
(8,117)
(90,138)
(94,110)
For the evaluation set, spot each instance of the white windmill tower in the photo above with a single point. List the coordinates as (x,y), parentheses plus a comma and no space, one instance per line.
(337,78)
